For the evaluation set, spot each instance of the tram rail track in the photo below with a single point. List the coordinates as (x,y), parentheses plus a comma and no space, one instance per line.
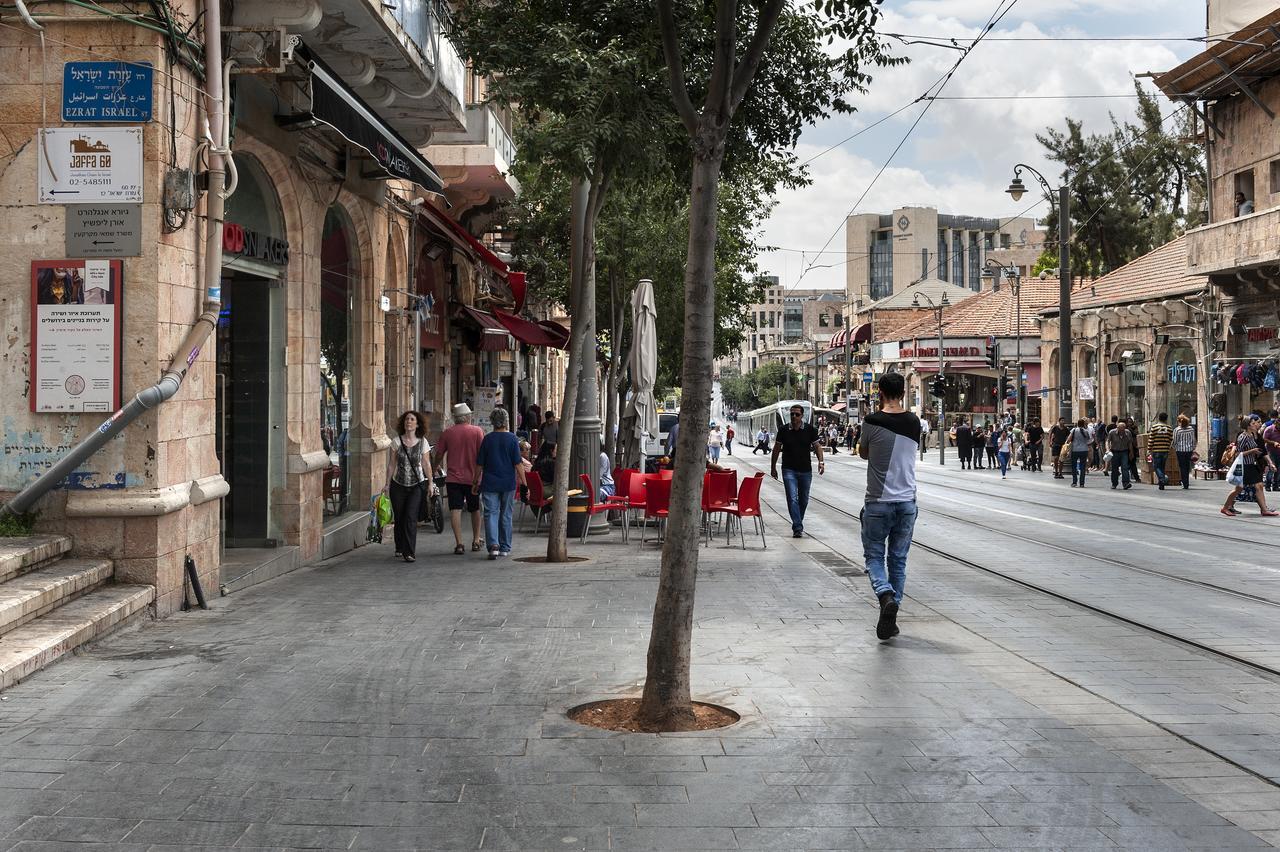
(1066,597)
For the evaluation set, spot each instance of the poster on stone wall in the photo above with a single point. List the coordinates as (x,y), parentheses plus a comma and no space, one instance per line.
(75,335)
(486,400)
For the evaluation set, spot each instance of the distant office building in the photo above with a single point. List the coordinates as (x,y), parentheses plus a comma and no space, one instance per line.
(788,323)
(888,252)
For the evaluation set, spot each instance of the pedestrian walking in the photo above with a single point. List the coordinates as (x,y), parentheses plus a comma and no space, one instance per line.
(673,437)
(979,445)
(1271,444)
(1080,440)
(794,442)
(1159,443)
(1184,447)
(1251,461)
(498,472)
(715,441)
(1133,455)
(850,436)
(1097,432)
(964,444)
(729,435)
(926,429)
(1004,450)
(550,428)
(1121,443)
(889,514)
(408,476)
(457,450)
(762,442)
(833,439)
(1058,436)
(1035,446)
(992,443)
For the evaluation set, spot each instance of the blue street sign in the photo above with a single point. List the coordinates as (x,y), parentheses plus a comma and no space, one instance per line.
(106,91)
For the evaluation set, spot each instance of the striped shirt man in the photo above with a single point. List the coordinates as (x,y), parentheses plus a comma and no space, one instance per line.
(1159,438)
(1184,439)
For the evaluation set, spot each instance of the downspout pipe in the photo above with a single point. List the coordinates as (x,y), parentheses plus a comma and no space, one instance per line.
(215,202)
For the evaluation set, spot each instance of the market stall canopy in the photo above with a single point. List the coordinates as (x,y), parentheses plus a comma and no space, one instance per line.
(333,103)
(543,333)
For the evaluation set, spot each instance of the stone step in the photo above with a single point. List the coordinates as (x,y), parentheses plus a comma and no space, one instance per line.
(38,643)
(22,554)
(36,592)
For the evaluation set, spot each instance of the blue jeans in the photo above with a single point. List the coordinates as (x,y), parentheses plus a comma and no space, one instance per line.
(1004,463)
(890,523)
(1157,463)
(497,519)
(797,484)
(715,454)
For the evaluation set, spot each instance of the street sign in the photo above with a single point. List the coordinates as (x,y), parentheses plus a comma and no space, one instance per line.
(79,164)
(866,377)
(106,91)
(104,230)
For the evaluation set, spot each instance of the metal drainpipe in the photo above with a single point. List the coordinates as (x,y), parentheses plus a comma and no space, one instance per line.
(171,380)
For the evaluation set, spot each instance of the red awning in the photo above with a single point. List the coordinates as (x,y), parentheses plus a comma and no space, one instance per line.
(493,335)
(463,236)
(544,333)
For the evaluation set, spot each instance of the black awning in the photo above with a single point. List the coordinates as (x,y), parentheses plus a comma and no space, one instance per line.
(333,103)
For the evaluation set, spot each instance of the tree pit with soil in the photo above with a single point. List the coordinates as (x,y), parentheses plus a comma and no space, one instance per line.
(619,714)
(542,560)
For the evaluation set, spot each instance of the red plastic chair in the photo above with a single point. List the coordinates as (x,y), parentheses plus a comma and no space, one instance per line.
(664,473)
(747,506)
(635,495)
(657,502)
(594,508)
(621,488)
(718,492)
(536,499)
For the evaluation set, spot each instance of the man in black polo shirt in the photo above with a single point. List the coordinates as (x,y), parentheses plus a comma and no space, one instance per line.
(794,442)
(1057,438)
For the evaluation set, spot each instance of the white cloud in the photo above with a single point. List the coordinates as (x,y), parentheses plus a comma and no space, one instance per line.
(961,156)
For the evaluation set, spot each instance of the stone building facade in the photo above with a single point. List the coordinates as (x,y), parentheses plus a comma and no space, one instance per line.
(345,275)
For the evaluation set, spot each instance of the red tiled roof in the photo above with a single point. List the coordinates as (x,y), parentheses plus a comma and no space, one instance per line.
(989,313)
(1159,273)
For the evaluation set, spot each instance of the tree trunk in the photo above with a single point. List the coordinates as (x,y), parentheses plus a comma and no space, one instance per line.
(666,703)
(615,364)
(557,536)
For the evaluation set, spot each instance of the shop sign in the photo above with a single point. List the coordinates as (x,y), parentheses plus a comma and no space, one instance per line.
(1182,373)
(104,230)
(947,352)
(1262,340)
(75,329)
(885,351)
(90,164)
(106,91)
(241,241)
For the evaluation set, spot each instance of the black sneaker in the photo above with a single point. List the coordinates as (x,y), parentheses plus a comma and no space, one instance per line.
(797,534)
(887,626)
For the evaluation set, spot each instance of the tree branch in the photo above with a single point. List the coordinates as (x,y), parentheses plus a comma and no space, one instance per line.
(718,89)
(746,70)
(675,68)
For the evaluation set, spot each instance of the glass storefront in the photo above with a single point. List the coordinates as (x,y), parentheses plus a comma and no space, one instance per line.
(338,267)
(1135,387)
(1182,382)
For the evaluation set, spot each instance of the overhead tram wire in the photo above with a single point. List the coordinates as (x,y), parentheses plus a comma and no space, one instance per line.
(1002,8)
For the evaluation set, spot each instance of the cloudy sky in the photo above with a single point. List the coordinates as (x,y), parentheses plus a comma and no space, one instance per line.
(960,157)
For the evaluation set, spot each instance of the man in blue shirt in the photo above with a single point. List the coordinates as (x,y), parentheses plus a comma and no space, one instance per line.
(498,472)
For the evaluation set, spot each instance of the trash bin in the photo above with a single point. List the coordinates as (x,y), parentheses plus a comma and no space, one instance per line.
(578,516)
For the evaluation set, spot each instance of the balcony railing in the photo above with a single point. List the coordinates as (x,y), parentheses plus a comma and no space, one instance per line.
(483,128)
(427,25)
(1246,241)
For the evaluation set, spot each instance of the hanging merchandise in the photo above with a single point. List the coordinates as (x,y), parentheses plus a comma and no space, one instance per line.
(1273,376)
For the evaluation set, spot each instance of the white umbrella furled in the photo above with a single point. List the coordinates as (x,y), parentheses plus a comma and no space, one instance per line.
(641,415)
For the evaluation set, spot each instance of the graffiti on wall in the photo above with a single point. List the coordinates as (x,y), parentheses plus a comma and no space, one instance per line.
(25,454)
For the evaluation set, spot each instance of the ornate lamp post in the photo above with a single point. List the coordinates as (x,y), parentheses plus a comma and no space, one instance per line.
(1016,190)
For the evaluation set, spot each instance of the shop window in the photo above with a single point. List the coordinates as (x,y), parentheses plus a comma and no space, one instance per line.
(1275,176)
(1134,376)
(824,320)
(1006,241)
(338,268)
(1181,380)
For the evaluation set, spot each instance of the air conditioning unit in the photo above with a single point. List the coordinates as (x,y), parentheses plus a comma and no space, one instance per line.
(260,50)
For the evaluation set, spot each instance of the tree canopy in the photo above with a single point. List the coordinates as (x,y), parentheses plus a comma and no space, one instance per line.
(1133,188)
(765,385)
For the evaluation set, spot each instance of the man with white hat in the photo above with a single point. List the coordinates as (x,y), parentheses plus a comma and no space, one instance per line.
(458,446)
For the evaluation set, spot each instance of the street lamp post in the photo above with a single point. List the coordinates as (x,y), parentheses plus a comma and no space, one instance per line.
(1016,190)
(938,306)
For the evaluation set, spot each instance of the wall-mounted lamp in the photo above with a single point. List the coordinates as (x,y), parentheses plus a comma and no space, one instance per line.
(434,251)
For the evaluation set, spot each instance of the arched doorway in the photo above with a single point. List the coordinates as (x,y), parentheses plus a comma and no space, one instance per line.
(1089,370)
(1134,378)
(339,264)
(251,377)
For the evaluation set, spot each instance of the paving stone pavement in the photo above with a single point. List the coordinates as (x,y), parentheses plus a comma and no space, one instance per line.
(369,704)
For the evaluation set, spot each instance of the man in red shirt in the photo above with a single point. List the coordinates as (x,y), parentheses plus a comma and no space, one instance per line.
(458,447)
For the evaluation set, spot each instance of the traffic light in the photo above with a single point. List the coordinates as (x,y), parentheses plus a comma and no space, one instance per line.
(1006,388)
(938,387)
(993,353)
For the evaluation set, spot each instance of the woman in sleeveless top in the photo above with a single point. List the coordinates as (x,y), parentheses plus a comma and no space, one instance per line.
(408,480)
